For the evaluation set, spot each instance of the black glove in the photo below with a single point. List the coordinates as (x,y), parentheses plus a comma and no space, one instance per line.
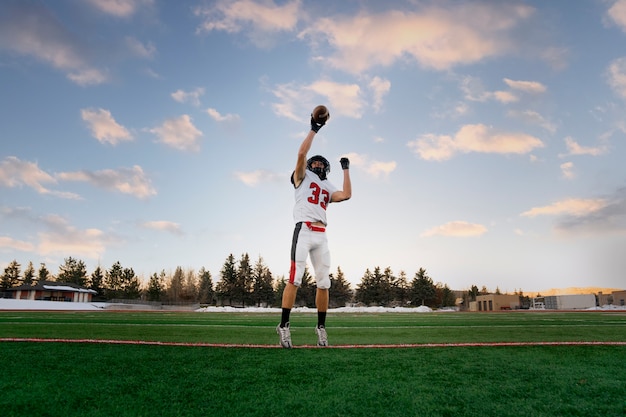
(316,126)
(345,163)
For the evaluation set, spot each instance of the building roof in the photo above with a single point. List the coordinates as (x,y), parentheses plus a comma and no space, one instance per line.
(53,286)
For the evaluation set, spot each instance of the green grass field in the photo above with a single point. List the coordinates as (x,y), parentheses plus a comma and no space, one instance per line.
(106,379)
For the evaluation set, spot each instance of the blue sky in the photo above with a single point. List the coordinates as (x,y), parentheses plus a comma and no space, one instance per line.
(486,137)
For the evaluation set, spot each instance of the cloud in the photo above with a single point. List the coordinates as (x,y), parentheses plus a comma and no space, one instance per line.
(252,178)
(379,87)
(13,244)
(573,148)
(373,167)
(260,20)
(32,30)
(63,238)
(617,14)
(591,216)
(532,87)
(132,181)
(438,35)
(571,206)
(179,133)
(119,8)
(163,225)
(17,173)
(218,117)
(473,138)
(616,74)
(104,127)
(567,169)
(296,100)
(534,118)
(456,229)
(140,49)
(192,97)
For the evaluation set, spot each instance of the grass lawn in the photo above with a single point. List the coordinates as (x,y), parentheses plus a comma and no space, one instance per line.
(85,379)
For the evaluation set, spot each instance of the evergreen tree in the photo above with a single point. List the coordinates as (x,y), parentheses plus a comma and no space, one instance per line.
(113,281)
(228,280)
(73,271)
(155,288)
(340,292)
(374,288)
(422,288)
(206,293)
(97,281)
(263,285)
(43,274)
(11,276)
(190,287)
(131,287)
(29,274)
(242,290)
(402,289)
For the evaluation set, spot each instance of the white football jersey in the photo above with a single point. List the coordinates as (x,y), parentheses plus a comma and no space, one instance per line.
(312,198)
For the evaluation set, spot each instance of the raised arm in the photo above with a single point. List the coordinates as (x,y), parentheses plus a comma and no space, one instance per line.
(300,171)
(346,192)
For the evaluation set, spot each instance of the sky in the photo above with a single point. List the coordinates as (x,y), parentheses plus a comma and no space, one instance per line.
(486,138)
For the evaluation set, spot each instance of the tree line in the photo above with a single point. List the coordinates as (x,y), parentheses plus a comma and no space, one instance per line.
(241,283)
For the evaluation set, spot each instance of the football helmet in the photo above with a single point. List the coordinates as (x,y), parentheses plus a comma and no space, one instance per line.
(321,172)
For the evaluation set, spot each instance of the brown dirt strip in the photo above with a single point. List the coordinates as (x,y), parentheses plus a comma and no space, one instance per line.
(241,345)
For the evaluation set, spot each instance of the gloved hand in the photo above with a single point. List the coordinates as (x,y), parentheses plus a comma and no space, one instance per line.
(345,163)
(316,126)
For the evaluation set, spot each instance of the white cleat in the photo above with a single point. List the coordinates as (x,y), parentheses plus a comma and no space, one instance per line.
(285,336)
(322,337)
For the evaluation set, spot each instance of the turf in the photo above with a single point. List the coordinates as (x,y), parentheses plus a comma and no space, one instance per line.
(84,379)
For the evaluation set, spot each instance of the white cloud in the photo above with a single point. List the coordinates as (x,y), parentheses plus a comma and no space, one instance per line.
(192,97)
(532,87)
(380,88)
(218,117)
(534,118)
(571,206)
(251,179)
(260,20)
(163,225)
(120,8)
(373,167)
(456,229)
(16,173)
(617,14)
(179,133)
(132,181)
(616,73)
(13,244)
(63,238)
(567,169)
(573,148)
(296,101)
(104,127)
(436,35)
(31,30)
(140,49)
(473,138)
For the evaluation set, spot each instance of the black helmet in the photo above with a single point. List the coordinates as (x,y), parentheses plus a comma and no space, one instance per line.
(321,172)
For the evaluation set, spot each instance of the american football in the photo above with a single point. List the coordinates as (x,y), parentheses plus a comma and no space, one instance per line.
(321,114)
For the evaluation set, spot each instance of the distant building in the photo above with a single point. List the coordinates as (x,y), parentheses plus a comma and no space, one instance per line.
(495,302)
(619,298)
(570,302)
(53,291)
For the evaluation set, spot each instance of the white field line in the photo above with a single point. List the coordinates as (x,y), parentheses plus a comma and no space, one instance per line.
(377,346)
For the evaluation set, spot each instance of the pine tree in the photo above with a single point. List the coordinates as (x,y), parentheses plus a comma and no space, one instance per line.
(155,288)
(29,274)
(228,280)
(263,285)
(97,281)
(422,288)
(206,293)
(11,276)
(73,271)
(175,288)
(340,292)
(113,281)
(43,274)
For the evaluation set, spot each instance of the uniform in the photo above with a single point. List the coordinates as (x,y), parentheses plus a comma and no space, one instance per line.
(312,199)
